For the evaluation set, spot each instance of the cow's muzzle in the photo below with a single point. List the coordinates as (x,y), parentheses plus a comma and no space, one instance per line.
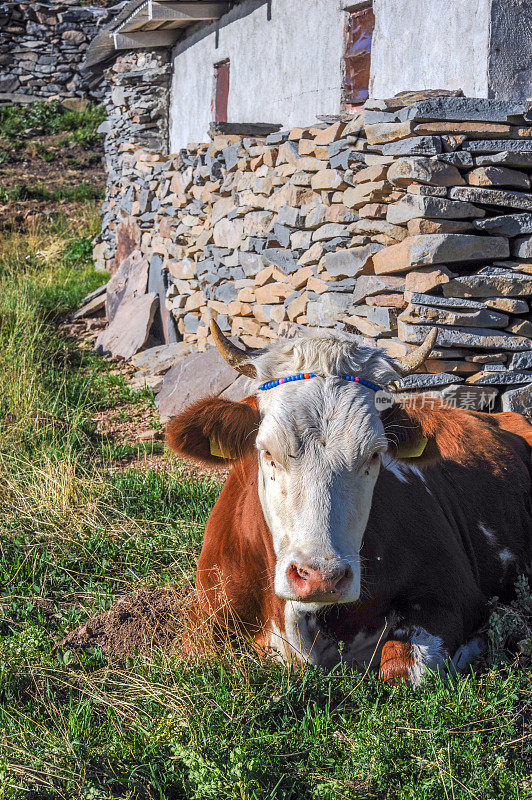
(319,585)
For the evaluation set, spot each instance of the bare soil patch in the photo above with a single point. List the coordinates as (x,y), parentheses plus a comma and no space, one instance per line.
(148,619)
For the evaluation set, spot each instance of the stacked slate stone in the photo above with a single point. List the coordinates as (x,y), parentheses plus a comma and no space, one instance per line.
(137,117)
(42,48)
(415,212)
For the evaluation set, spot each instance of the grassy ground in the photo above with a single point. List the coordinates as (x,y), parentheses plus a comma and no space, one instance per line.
(76,532)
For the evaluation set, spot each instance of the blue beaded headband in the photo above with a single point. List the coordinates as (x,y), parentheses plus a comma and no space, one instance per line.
(304,375)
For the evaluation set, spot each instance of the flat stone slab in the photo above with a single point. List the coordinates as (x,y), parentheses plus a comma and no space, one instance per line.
(522,247)
(508,158)
(506,225)
(519,400)
(196,376)
(491,175)
(524,267)
(462,109)
(129,329)
(504,284)
(444,248)
(500,378)
(158,360)
(521,361)
(371,285)
(419,298)
(475,318)
(349,263)
(464,337)
(412,206)
(496,145)
(94,306)
(129,281)
(414,146)
(492,197)
(427,381)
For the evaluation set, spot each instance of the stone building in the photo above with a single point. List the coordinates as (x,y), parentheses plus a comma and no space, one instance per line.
(364,166)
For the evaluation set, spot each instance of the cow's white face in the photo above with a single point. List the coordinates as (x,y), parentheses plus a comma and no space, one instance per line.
(320,443)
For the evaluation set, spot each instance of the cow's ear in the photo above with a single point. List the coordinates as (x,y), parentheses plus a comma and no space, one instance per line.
(423,431)
(214,431)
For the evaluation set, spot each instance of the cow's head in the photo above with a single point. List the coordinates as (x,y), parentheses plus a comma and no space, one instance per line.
(320,443)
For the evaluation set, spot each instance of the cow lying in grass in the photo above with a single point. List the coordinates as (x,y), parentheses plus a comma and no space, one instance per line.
(385,531)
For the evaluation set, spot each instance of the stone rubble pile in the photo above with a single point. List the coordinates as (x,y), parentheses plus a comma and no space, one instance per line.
(42,47)
(415,212)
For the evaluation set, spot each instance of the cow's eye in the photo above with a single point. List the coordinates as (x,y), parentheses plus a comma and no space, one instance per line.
(267,455)
(370,462)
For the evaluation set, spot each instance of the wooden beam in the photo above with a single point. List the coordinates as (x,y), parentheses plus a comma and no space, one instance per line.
(188,12)
(140,39)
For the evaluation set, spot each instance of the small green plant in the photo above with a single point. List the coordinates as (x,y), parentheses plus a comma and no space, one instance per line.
(510,626)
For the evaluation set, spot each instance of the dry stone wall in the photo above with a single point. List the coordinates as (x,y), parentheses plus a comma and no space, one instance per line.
(416,212)
(42,47)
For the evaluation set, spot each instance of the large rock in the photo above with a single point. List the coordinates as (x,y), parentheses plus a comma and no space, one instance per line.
(462,109)
(438,249)
(504,284)
(196,376)
(463,337)
(519,400)
(128,282)
(158,360)
(413,205)
(507,225)
(405,171)
(492,197)
(475,318)
(130,328)
(242,387)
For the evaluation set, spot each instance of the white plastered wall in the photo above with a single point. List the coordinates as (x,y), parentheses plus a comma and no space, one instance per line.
(285,69)
(430,44)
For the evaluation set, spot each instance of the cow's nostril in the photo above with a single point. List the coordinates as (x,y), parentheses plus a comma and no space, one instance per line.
(310,582)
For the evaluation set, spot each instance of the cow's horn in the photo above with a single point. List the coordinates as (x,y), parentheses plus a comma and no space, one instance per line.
(415,359)
(239,359)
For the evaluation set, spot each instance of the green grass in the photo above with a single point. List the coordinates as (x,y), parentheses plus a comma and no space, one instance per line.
(45,119)
(39,191)
(77,532)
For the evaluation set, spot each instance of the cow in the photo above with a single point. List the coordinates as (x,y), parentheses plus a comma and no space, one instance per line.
(348,532)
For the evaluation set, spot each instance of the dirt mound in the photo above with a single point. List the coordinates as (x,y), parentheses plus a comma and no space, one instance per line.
(151,618)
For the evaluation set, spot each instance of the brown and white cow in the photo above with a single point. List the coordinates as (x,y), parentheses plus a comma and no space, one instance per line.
(329,531)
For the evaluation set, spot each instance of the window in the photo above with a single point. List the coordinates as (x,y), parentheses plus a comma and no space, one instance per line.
(357,56)
(221,91)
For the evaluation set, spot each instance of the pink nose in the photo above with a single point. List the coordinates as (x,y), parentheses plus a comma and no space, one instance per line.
(313,584)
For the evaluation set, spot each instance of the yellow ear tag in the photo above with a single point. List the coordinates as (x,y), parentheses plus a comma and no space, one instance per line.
(215,451)
(415,451)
